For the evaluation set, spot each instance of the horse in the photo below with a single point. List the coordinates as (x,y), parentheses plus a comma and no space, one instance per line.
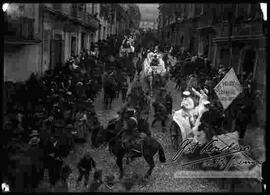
(150,146)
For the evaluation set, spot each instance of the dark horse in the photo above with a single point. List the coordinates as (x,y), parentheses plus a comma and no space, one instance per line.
(150,147)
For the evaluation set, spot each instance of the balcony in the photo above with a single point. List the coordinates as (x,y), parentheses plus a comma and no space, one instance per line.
(84,18)
(20,31)
(76,15)
(88,20)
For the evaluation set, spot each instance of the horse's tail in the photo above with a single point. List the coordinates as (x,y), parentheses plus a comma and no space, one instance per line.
(161,154)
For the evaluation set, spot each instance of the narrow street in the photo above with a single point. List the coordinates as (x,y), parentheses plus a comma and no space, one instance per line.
(203,84)
(162,178)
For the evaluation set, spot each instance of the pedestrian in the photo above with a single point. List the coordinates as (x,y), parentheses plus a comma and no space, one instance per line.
(161,114)
(124,90)
(84,166)
(54,160)
(169,102)
(61,185)
(97,182)
(36,154)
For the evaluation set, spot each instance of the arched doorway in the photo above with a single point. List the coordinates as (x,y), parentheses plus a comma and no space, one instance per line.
(248,62)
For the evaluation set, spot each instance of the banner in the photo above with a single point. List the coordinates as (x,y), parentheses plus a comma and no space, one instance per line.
(228,88)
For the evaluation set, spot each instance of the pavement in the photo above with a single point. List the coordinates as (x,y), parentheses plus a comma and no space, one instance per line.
(162,178)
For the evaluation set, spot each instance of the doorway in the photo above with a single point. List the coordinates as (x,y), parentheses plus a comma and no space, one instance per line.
(57,50)
(83,42)
(73,45)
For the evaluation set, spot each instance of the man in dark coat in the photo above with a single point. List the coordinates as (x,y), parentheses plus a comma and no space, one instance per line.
(54,160)
(161,114)
(36,154)
(124,89)
(169,102)
(84,166)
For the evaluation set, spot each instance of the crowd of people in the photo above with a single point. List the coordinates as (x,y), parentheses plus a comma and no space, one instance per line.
(46,114)
(196,72)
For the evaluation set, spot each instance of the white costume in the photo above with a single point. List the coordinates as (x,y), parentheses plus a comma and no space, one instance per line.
(181,117)
(148,69)
(191,116)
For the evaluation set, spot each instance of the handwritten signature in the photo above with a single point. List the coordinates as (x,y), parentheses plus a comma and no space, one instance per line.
(219,156)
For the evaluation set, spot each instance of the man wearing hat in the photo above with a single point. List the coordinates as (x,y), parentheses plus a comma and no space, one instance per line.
(36,154)
(161,114)
(84,166)
(131,135)
(187,101)
(67,143)
(53,160)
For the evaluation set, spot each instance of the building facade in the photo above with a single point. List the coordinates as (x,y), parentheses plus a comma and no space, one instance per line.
(22,41)
(67,29)
(41,36)
(228,34)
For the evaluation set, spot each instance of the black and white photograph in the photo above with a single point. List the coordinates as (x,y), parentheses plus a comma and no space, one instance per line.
(134,97)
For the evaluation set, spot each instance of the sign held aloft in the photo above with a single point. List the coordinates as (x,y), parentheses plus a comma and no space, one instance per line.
(228,88)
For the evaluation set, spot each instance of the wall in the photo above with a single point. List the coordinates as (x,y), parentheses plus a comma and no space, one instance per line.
(20,62)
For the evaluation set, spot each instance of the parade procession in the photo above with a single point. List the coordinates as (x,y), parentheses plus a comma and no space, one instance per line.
(134,97)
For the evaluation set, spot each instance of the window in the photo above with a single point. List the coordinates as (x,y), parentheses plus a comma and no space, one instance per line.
(83,41)
(73,45)
(93,8)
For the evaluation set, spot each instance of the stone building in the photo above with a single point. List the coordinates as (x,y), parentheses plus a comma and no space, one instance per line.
(67,30)
(42,36)
(228,34)
(22,41)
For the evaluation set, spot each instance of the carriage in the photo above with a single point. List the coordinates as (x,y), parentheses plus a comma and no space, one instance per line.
(126,49)
(154,70)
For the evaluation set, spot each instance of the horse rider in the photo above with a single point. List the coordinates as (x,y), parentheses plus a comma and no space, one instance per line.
(131,136)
